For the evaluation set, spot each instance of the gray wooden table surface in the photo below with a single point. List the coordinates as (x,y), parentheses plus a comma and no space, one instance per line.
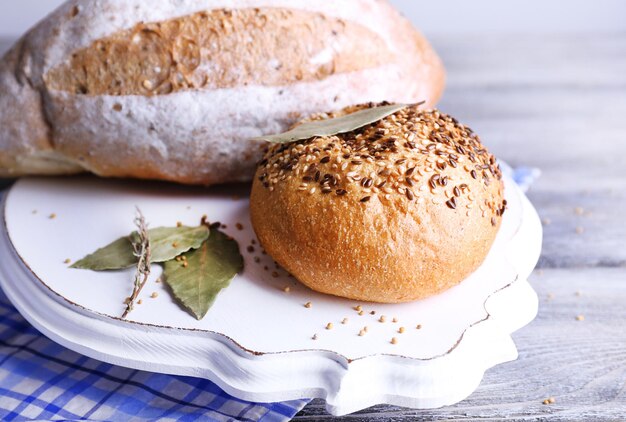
(557,103)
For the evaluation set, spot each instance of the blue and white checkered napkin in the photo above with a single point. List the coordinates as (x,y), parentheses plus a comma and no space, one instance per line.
(40,380)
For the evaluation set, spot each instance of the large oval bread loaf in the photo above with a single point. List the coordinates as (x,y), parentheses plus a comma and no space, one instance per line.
(175,90)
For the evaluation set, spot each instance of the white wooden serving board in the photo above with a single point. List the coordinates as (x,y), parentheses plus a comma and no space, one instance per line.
(256,341)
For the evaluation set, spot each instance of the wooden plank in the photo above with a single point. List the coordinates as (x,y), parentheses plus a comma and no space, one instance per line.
(582,364)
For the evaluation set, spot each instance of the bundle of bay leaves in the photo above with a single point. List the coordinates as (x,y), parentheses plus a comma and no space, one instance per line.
(198,262)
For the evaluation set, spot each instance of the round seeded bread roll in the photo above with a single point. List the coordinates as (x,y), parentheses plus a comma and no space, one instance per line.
(398,210)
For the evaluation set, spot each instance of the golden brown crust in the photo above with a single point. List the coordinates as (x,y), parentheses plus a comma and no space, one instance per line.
(397,211)
(214,49)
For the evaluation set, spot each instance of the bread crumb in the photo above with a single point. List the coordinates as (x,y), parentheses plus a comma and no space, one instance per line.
(344,321)
(549,400)
(361,333)
(418,326)
(179,224)
(394,319)
(154,295)
(287,289)
(314,337)
(67,261)
(52,216)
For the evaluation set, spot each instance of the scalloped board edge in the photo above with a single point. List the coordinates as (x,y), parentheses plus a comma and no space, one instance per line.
(347,386)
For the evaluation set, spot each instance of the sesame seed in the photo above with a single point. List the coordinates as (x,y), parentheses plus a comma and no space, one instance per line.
(344,321)
(580,317)
(451,203)
(314,337)
(52,216)
(308,305)
(394,340)
(361,313)
(154,295)
(67,261)
(394,319)
(361,333)
(401,330)
(418,326)
(329,326)
(382,318)
(287,289)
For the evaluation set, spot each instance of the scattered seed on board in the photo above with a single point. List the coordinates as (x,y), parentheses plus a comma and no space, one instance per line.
(418,326)
(308,305)
(401,330)
(382,318)
(329,326)
(154,295)
(52,216)
(67,261)
(394,340)
(287,289)
(580,317)
(314,337)
(344,321)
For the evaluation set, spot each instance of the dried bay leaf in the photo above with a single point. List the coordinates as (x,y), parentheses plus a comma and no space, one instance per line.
(198,279)
(166,243)
(329,127)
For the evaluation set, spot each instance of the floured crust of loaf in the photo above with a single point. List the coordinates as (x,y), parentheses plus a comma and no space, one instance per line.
(397,211)
(220,49)
(188,132)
